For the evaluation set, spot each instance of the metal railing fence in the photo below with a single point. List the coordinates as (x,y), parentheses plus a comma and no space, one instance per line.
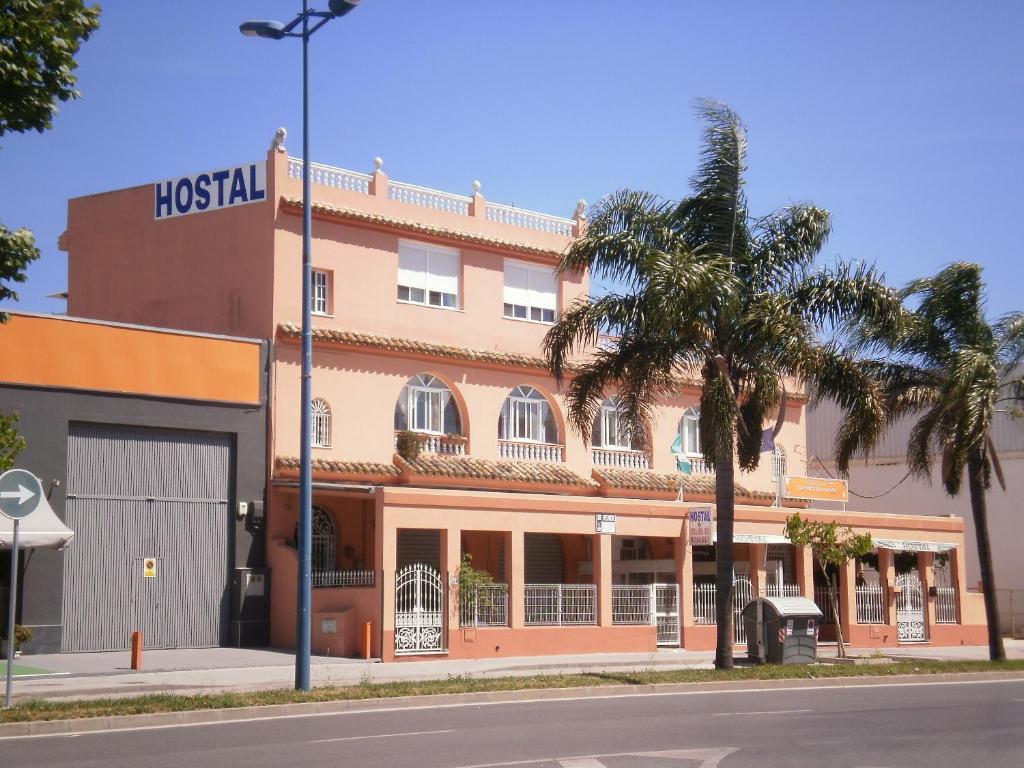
(485,605)
(360,578)
(945,605)
(632,604)
(870,604)
(560,604)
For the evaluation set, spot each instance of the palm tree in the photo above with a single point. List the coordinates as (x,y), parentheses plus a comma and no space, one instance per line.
(947,365)
(709,292)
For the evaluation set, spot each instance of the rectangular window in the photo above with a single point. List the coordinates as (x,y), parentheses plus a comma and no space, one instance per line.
(531,292)
(321,292)
(428,274)
(527,422)
(426,409)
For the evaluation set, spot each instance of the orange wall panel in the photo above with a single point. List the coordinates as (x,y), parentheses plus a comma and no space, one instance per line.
(62,353)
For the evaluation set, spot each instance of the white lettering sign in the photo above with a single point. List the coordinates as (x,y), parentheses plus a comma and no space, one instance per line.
(209,191)
(605,523)
(699,521)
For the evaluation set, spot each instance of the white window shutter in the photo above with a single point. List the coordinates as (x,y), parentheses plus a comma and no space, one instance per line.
(517,285)
(443,272)
(543,288)
(412,266)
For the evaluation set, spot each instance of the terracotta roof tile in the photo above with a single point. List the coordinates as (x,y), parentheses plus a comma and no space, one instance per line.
(425,229)
(485,469)
(396,344)
(341,467)
(648,480)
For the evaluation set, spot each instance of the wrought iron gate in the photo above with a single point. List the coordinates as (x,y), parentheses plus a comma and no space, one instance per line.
(419,610)
(666,612)
(742,593)
(910,625)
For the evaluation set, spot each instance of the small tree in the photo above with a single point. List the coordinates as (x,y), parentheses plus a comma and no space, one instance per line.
(472,587)
(832,544)
(11,443)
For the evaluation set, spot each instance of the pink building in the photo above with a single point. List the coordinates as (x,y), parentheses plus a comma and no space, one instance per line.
(429,312)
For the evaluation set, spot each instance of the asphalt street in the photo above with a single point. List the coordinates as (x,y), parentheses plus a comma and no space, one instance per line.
(884,726)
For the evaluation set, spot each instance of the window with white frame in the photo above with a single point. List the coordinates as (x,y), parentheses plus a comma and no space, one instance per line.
(527,417)
(426,405)
(321,292)
(321,424)
(689,432)
(428,274)
(610,430)
(531,292)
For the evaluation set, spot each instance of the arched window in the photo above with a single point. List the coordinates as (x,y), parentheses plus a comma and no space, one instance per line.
(689,432)
(610,430)
(321,424)
(324,540)
(778,462)
(426,405)
(527,417)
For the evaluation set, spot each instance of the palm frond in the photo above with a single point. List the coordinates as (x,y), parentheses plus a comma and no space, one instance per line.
(785,242)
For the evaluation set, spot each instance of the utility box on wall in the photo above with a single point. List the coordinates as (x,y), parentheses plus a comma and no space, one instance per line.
(251,596)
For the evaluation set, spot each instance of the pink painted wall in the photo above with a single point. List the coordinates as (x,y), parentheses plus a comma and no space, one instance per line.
(208,272)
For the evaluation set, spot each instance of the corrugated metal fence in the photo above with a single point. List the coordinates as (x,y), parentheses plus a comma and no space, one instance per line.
(135,494)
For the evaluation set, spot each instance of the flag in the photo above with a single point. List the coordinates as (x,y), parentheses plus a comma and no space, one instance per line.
(768,440)
(683,464)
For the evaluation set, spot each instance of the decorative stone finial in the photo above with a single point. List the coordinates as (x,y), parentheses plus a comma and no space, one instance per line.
(581,207)
(279,136)
(476,187)
(378,163)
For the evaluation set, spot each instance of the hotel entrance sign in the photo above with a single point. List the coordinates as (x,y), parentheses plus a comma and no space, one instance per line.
(699,523)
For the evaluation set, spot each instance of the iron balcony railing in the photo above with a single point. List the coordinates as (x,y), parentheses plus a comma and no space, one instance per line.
(560,604)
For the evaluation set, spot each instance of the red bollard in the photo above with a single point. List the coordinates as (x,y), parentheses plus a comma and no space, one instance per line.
(136,650)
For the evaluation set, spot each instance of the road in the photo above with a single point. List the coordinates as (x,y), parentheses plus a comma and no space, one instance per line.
(886,726)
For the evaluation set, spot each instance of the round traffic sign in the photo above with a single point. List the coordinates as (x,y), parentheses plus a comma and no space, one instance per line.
(20,493)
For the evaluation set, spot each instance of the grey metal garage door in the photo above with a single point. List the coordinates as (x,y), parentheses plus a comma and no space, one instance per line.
(135,494)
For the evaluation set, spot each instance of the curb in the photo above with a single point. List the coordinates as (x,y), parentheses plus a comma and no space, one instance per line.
(253,713)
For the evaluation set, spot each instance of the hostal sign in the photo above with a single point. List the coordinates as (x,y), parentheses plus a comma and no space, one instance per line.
(211,190)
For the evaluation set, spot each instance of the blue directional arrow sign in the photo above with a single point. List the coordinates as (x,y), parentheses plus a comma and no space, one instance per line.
(20,493)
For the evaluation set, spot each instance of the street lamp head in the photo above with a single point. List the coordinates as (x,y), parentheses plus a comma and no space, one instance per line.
(341,7)
(273,30)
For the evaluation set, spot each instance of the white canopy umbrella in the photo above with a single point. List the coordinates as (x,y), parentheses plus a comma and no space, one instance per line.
(40,530)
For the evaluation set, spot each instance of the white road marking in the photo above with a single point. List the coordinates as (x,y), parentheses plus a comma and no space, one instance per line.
(581,762)
(378,736)
(710,758)
(762,712)
(460,705)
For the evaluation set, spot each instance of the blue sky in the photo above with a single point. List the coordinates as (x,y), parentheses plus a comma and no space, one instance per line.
(903,119)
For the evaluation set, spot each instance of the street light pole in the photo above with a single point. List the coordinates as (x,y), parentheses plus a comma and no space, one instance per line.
(275,30)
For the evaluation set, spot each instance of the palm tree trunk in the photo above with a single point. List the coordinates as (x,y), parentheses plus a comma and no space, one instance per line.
(725,511)
(976,483)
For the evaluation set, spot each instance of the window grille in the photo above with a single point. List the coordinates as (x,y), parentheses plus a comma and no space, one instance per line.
(321,424)
(324,540)
(778,462)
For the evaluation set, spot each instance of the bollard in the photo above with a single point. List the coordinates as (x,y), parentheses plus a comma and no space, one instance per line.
(136,650)
(367,633)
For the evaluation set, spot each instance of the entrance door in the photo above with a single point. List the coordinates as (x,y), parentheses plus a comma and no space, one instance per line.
(419,610)
(910,625)
(666,612)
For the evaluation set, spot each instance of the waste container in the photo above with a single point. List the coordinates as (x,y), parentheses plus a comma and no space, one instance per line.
(782,630)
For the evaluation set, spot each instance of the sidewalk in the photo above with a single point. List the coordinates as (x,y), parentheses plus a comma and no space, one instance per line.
(210,670)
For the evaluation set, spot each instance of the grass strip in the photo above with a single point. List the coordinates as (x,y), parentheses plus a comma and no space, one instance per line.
(38,709)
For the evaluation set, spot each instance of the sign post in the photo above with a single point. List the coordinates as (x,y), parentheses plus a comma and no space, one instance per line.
(20,494)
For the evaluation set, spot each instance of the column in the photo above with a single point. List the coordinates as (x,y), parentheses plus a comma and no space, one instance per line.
(847,597)
(926,569)
(603,577)
(803,559)
(386,542)
(758,574)
(515,548)
(451,559)
(684,578)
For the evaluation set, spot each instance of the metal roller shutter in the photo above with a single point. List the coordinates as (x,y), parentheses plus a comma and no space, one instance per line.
(543,559)
(136,493)
(419,546)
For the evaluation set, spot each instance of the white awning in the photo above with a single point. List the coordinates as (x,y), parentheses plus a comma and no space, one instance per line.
(42,529)
(899,545)
(755,538)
